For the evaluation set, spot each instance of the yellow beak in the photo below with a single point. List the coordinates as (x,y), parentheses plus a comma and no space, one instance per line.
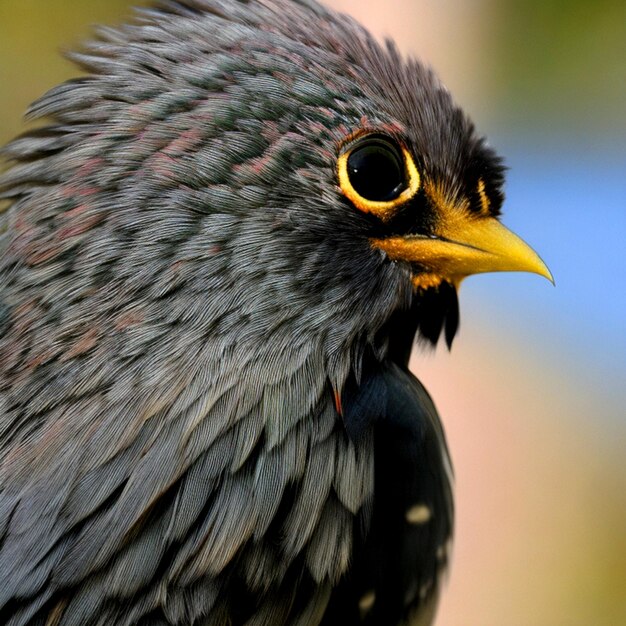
(466,244)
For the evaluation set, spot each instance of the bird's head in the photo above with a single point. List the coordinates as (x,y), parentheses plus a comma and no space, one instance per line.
(253,169)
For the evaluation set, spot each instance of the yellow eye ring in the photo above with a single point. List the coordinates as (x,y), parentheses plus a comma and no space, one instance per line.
(370,162)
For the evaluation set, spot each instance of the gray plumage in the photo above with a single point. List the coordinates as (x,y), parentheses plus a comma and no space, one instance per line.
(182,287)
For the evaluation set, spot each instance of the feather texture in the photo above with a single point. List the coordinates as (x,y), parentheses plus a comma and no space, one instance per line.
(206,415)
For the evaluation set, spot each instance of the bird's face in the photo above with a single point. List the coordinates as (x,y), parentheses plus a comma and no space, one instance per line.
(445,227)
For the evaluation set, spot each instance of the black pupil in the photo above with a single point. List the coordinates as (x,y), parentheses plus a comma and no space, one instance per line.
(376,171)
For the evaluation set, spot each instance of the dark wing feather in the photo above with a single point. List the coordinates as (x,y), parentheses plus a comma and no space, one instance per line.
(400,557)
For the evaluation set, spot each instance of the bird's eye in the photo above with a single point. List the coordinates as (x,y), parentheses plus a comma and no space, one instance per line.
(377,175)
(376,171)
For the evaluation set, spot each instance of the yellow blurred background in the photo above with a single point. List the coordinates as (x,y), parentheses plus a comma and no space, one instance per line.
(533,393)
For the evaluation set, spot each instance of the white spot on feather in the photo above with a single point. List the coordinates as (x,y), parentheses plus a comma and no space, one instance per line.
(367,602)
(418,514)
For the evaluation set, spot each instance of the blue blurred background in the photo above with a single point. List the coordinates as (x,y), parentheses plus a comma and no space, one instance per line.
(533,394)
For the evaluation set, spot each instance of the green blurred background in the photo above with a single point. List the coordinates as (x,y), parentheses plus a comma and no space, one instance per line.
(533,393)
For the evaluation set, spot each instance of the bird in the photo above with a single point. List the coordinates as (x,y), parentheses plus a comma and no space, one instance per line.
(219,247)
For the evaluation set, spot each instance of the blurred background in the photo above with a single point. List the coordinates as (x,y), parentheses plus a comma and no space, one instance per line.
(533,394)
